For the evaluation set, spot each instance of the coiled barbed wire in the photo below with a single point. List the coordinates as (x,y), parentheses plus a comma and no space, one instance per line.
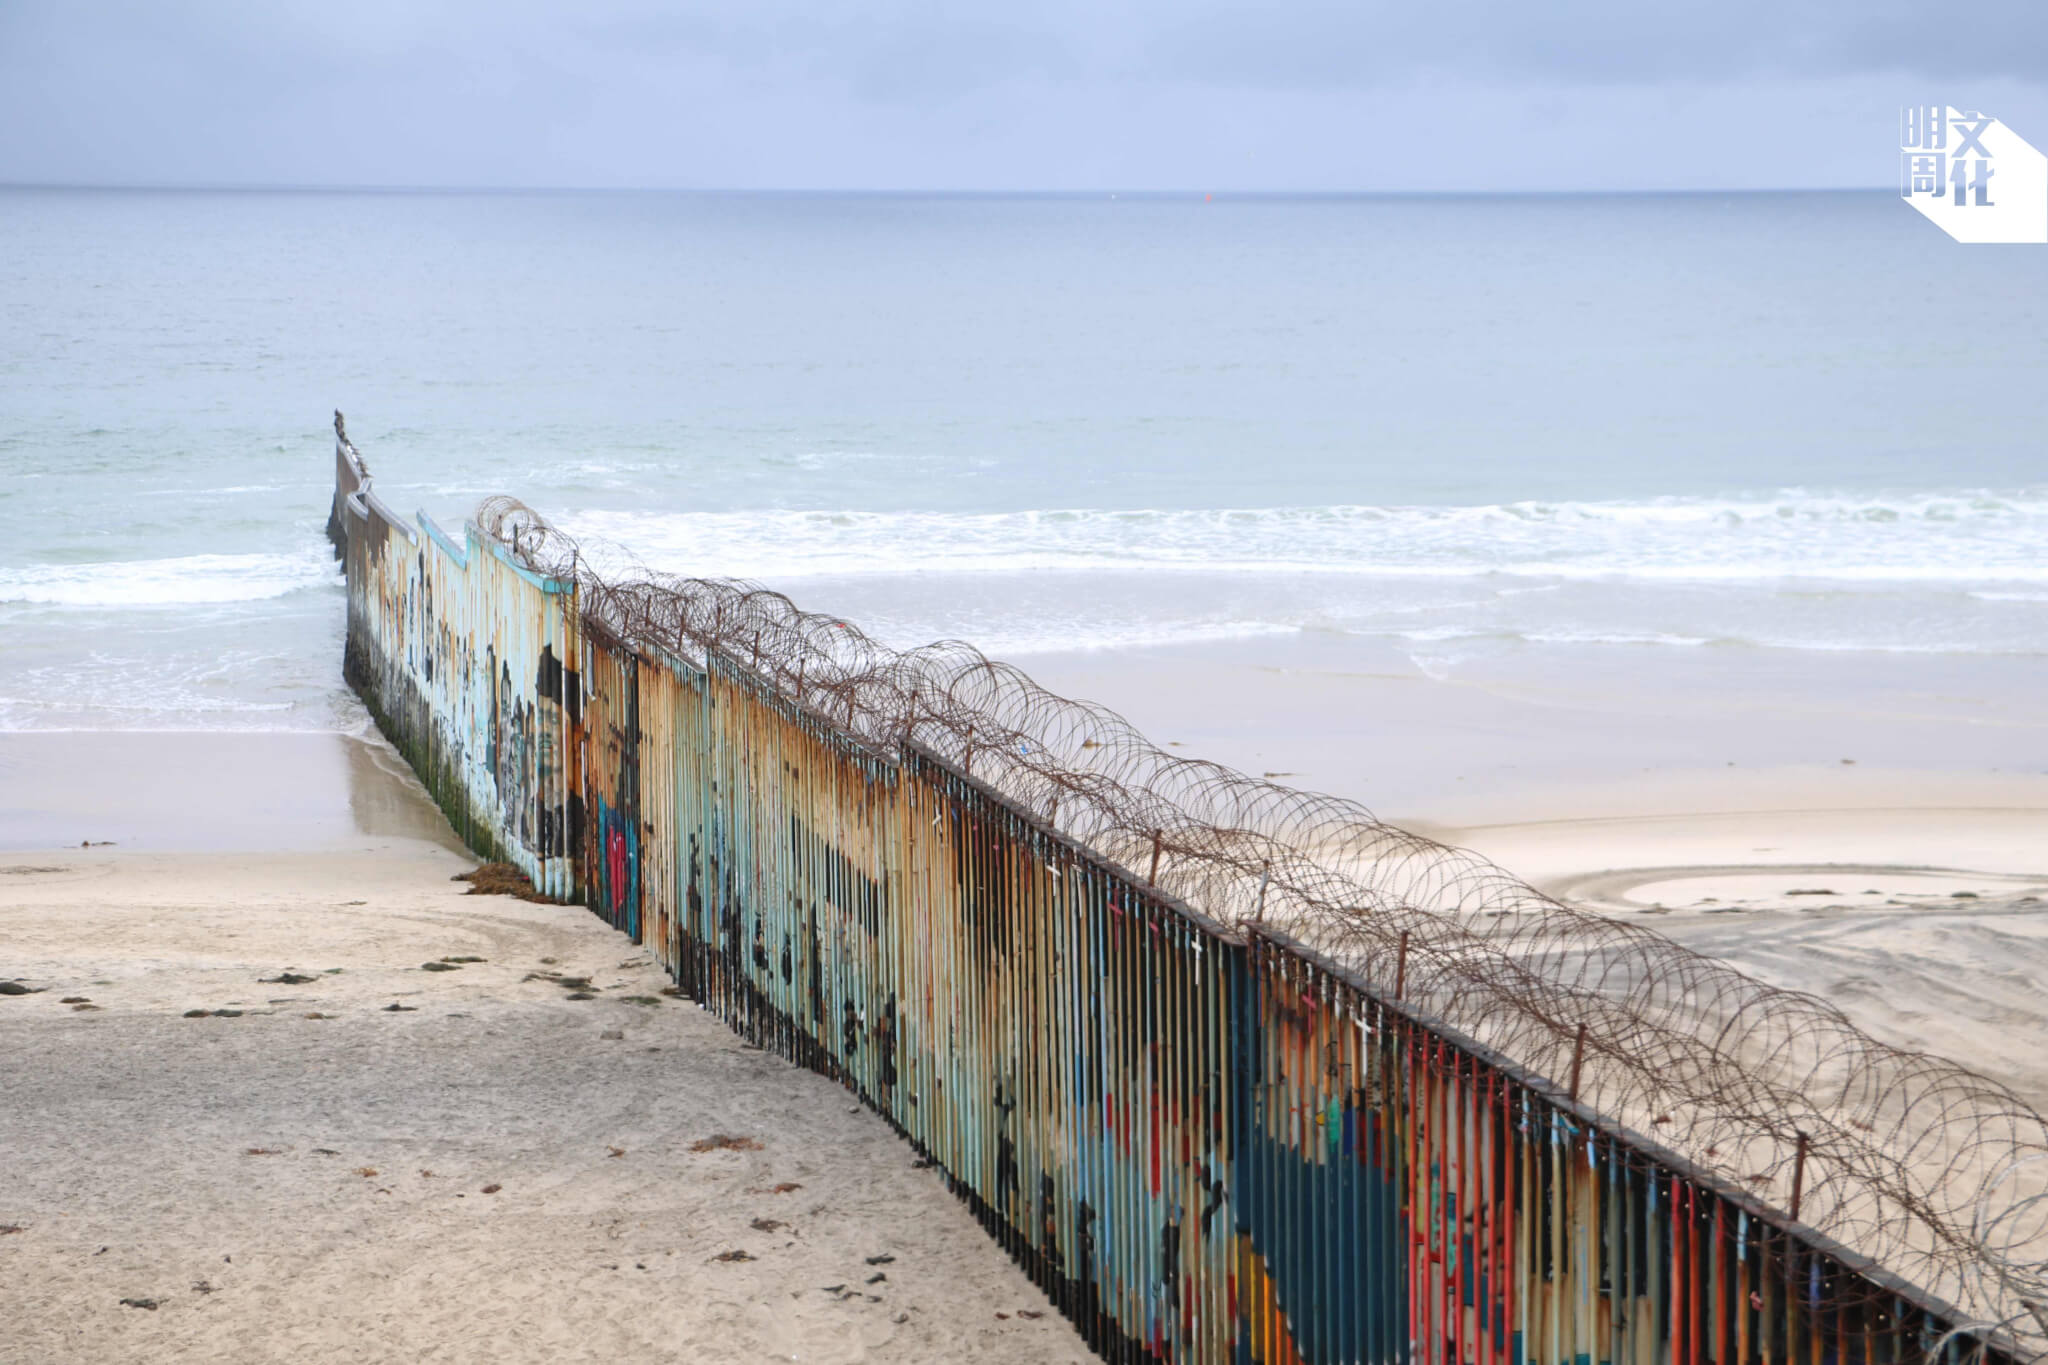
(1928,1169)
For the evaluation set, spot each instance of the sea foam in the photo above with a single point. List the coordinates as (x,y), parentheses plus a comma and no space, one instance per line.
(181,581)
(1962,537)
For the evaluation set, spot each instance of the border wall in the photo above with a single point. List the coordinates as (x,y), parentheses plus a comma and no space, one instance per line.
(1204,1141)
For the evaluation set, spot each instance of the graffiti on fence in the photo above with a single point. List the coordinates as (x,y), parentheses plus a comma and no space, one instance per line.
(1208,1141)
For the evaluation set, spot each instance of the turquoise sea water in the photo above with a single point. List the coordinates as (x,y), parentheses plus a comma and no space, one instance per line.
(1475,430)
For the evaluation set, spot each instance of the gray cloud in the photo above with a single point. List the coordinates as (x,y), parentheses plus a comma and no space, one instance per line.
(1307,94)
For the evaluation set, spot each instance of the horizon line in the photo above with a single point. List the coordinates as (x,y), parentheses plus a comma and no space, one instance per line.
(231,187)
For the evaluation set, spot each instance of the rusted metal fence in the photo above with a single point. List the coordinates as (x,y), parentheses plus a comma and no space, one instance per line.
(1206,1141)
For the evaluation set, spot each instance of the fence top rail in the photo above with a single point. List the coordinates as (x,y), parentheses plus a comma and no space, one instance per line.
(555,584)
(446,542)
(1077,851)
(911,753)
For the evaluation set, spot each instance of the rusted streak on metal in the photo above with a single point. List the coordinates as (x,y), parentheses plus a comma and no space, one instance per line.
(1578,1065)
(1798,1175)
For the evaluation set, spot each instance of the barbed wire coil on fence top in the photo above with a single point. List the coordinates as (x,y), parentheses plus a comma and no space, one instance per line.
(1933,1172)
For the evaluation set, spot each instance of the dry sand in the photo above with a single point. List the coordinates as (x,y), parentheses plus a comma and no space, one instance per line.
(496,1172)
(1927,925)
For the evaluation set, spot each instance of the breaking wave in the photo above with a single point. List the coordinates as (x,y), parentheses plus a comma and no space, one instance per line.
(181,581)
(1956,537)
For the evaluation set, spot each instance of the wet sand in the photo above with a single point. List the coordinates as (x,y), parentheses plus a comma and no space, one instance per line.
(210,791)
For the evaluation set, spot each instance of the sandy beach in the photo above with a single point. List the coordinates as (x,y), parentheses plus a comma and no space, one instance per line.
(495,1169)
(305,1178)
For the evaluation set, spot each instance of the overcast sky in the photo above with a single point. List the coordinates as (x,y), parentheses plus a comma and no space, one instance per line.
(1349,95)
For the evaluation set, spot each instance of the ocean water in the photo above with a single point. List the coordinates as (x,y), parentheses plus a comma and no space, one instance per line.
(1488,434)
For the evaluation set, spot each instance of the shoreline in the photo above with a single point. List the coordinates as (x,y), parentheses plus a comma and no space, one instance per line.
(211,791)
(235,856)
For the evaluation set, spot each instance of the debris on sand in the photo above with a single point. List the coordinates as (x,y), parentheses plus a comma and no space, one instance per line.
(286,978)
(881,1260)
(724,1142)
(395,1008)
(16,988)
(439,967)
(74,1000)
(9,1229)
(150,1304)
(465,959)
(767,1225)
(503,879)
(263,1151)
(492,1189)
(732,1256)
